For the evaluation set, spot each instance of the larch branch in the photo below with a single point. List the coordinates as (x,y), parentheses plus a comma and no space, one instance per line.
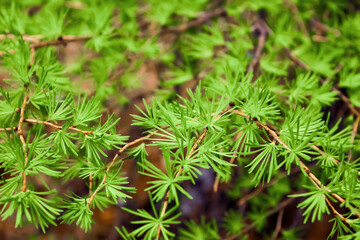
(311,176)
(113,161)
(166,202)
(342,96)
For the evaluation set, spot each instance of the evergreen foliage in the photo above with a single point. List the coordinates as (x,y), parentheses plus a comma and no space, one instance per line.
(258,113)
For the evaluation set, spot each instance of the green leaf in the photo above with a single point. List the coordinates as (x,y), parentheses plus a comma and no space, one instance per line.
(115,188)
(59,109)
(314,203)
(165,182)
(64,141)
(86,111)
(233,223)
(78,210)
(150,224)
(38,210)
(203,231)
(265,163)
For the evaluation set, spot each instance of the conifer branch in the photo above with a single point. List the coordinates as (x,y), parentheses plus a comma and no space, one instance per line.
(311,176)
(192,150)
(166,202)
(323,154)
(303,141)
(139,140)
(342,96)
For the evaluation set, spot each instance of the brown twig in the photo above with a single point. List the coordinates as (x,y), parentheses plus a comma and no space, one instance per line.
(259,26)
(278,224)
(21,135)
(113,161)
(90,180)
(320,28)
(346,100)
(336,213)
(336,70)
(216,184)
(90,184)
(261,188)
(353,134)
(117,74)
(8,129)
(298,19)
(257,190)
(62,40)
(32,56)
(166,202)
(75,4)
(282,205)
(232,160)
(296,60)
(278,207)
(196,22)
(36,43)
(27,38)
(232,237)
(57,126)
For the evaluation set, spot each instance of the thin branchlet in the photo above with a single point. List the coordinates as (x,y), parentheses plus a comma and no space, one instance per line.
(178,173)
(103,181)
(59,127)
(21,135)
